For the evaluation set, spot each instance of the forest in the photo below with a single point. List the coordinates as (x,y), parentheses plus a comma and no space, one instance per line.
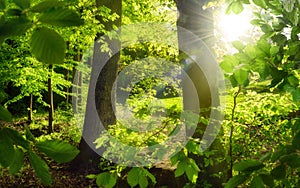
(150,93)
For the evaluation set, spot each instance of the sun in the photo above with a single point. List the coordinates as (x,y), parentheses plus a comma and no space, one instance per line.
(234,26)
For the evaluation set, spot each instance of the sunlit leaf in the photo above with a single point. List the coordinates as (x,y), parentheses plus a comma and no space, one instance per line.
(48,46)
(260,3)
(241,76)
(288,5)
(238,45)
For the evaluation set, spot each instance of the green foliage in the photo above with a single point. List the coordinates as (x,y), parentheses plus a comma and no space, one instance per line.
(14,145)
(46,5)
(139,176)
(17,162)
(106,180)
(48,46)
(40,167)
(61,17)
(60,151)
(5,114)
(248,166)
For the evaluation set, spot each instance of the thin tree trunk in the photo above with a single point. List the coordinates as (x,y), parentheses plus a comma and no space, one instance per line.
(199,22)
(50,100)
(30,108)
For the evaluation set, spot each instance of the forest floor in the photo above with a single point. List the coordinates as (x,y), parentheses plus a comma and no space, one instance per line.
(62,177)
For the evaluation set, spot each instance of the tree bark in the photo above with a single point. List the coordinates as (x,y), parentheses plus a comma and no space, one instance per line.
(30,108)
(50,101)
(193,18)
(103,87)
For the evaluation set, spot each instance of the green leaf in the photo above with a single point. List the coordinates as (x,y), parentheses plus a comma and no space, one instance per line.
(228,63)
(293,160)
(256,22)
(61,17)
(7,151)
(260,3)
(17,162)
(191,173)
(48,46)
(257,182)
(106,180)
(250,51)
(288,5)
(14,12)
(46,5)
(248,165)
(29,135)
(180,168)
(237,7)
(293,80)
(57,150)
(15,27)
(267,179)
(23,4)
(274,50)
(236,180)
(143,182)
(238,45)
(91,176)
(133,177)
(5,114)
(2,4)
(17,138)
(241,76)
(40,168)
(296,141)
(279,172)
(192,147)
(151,176)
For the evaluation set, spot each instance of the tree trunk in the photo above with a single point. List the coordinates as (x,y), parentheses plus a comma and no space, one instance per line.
(199,22)
(103,87)
(30,108)
(50,101)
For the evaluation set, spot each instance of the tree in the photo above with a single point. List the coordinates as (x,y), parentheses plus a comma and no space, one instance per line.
(199,21)
(104,82)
